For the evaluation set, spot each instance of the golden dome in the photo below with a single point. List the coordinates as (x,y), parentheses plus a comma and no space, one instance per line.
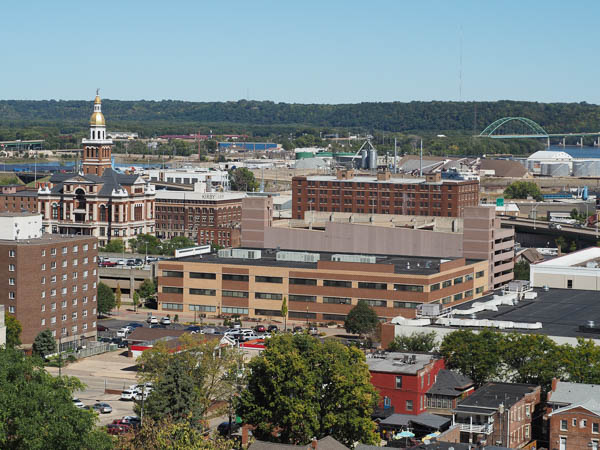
(97,100)
(97,119)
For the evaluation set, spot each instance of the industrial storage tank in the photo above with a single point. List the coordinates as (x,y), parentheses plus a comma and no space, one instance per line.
(588,168)
(555,169)
(373,159)
(364,159)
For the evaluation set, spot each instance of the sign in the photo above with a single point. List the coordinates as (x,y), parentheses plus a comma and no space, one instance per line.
(500,201)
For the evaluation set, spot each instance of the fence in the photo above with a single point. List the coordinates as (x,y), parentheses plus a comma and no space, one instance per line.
(95,349)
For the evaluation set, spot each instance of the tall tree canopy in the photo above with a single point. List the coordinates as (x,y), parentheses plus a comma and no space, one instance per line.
(362,319)
(106,299)
(415,342)
(523,189)
(44,344)
(13,330)
(304,388)
(242,179)
(37,410)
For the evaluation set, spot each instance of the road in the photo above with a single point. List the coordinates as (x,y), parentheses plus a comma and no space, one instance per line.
(545,227)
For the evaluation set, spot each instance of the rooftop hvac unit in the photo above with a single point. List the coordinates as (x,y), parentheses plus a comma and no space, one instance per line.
(245,254)
(298,257)
(224,253)
(354,258)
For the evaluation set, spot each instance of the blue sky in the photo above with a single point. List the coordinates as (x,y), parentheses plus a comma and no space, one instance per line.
(301,51)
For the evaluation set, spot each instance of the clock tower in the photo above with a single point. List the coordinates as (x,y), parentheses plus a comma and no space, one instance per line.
(97,148)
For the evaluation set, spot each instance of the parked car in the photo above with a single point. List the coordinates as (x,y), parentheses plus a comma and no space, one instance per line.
(313,331)
(246,335)
(100,327)
(272,329)
(102,407)
(134,325)
(157,325)
(165,321)
(152,319)
(121,262)
(223,428)
(195,329)
(151,259)
(123,332)
(107,264)
(260,328)
(118,428)
(297,329)
(78,403)
(127,395)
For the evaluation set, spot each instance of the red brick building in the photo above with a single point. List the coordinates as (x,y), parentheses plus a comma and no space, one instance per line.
(205,217)
(403,379)
(48,281)
(383,194)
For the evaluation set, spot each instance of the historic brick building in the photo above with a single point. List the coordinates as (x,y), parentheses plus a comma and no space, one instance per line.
(383,194)
(48,281)
(205,217)
(97,202)
(319,287)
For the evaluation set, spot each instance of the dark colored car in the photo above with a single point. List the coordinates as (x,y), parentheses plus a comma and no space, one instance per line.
(194,329)
(101,328)
(260,328)
(157,325)
(272,328)
(134,325)
(223,428)
(118,428)
(297,329)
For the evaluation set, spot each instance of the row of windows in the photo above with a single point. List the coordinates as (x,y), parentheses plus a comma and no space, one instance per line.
(64,290)
(63,305)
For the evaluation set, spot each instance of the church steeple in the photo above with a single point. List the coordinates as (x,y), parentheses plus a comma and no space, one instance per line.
(97,149)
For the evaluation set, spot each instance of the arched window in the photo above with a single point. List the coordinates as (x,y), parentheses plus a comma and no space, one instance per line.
(102,213)
(54,211)
(80,199)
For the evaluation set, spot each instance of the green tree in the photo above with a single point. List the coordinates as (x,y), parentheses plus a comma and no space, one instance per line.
(284,312)
(118,297)
(361,320)
(415,342)
(523,189)
(106,299)
(13,330)
(521,270)
(44,344)
(302,387)
(573,246)
(114,246)
(146,244)
(476,355)
(136,300)
(147,289)
(582,362)
(168,248)
(561,243)
(242,179)
(37,411)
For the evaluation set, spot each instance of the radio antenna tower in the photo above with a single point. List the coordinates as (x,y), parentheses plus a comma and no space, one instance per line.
(460,58)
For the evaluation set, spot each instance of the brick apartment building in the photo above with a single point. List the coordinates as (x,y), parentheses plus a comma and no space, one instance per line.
(499,414)
(448,390)
(402,379)
(383,194)
(574,416)
(319,287)
(48,280)
(205,217)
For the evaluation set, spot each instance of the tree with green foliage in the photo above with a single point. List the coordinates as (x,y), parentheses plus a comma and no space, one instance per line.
(13,330)
(302,388)
(147,289)
(573,246)
(582,362)
(284,312)
(415,342)
(561,244)
(361,320)
(177,242)
(476,355)
(106,299)
(114,246)
(242,179)
(44,344)
(521,270)
(118,297)
(523,190)
(136,300)
(37,410)
(146,244)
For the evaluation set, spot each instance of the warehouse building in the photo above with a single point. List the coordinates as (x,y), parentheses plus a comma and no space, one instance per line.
(577,270)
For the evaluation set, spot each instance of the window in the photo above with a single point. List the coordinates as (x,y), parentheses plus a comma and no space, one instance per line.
(85,247)
(409,405)
(53,252)
(11,295)
(53,293)
(44,252)
(365,285)
(43,322)
(211,292)
(172,290)
(173,306)
(261,279)
(74,315)
(84,326)
(337,300)
(43,308)
(408,288)
(64,276)
(52,319)
(53,279)
(304,281)
(74,289)
(595,427)
(408,305)
(469,293)
(206,276)
(434,287)
(85,260)
(479,290)
(267,296)
(75,248)
(84,300)
(234,277)
(231,310)
(458,280)
(337,283)
(64,317)
(458,296)
(370,302)
(398,381)
(172,274)
(479,274)
(74,302)
(570,284)
(11,281)
(527,431)
(64,250)
(583,423)
(44,266)
(302,298)
(11,253)
(53,265)
(11,267)
(574,422)
(238,294)
(64,263)
(203,308)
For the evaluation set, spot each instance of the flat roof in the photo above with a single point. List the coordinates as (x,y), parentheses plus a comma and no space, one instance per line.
(47,239)
(402,264)
(578,258)
(203,196)
(561,312)
(23,193)
(399,362)
(19,214)
(391,180)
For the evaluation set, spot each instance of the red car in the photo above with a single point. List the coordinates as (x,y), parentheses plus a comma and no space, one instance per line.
(118,428)
(107,264)
(101,328)
(260,328)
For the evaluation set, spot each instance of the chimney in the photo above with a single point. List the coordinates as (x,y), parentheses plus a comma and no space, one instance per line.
(345,174)
(383,176)
(314,443)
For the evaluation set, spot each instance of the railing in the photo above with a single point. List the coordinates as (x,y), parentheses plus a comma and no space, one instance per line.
(486,428)
(95,350)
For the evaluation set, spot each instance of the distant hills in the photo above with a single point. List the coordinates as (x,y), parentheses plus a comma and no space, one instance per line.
(459,117)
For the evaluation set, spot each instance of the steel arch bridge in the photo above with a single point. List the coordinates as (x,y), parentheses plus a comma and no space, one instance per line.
(536,129)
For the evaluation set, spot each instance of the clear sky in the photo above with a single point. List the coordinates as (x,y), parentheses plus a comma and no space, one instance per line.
(301,51)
